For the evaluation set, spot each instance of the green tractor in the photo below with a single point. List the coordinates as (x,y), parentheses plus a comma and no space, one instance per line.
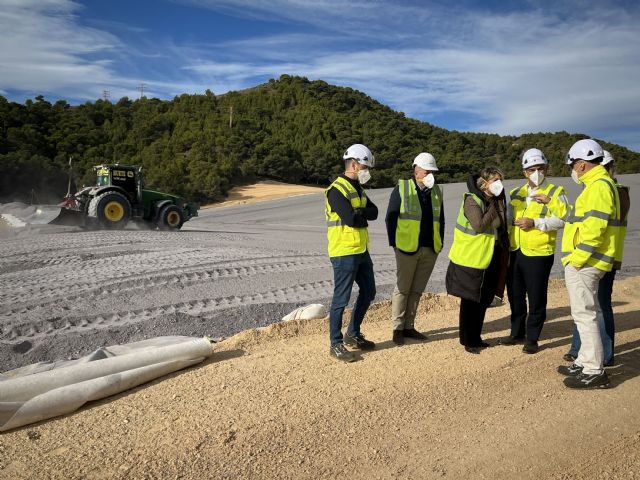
(119,197)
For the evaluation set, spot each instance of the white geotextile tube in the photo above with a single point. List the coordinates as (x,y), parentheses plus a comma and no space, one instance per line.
(43,395)
(308,312)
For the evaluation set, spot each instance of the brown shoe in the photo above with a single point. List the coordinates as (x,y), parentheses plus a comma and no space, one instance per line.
(413,333)
(398,337)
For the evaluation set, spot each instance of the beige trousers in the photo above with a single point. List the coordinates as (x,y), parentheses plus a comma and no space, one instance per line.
(582,285)
(412,275)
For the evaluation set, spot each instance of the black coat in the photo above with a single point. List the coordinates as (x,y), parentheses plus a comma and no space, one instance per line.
(478,285)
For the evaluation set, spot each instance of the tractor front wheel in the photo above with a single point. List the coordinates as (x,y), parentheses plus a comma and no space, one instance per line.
(111,209)
(171,217)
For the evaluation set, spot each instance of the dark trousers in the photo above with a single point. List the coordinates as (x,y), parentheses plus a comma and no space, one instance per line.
(472,313)
(347,270)
(471,321)
(528,277)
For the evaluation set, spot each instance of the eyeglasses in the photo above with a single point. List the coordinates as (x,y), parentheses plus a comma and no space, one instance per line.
(575,162)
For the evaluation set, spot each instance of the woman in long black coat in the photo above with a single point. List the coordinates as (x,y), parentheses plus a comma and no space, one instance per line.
(484,215)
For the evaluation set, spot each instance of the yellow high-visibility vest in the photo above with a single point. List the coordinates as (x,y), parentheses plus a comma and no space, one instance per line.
(343,239)
(592,231)
(471,248)
(408,228)
(534,242)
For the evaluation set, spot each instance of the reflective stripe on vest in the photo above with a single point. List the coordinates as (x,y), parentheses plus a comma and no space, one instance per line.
(534,242)
(408,227)
(343,239)
(591,222)
(470,248)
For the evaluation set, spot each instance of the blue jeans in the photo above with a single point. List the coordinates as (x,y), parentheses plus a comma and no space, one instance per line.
(606,325)
(346,270)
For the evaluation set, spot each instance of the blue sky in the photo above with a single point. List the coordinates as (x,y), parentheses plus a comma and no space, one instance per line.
(507,67)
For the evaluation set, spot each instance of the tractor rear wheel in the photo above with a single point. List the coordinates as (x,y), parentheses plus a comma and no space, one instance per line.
(171,217)
(111,209)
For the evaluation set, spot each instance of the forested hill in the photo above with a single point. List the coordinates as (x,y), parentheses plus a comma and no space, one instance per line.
(199,146)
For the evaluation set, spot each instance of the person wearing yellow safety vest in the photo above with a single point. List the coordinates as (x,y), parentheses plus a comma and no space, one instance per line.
(415,228)
(590,245)
(479,254)
(538,210)
(605,287)
(348,211)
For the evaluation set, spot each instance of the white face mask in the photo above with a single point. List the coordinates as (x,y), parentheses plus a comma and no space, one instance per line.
(428,180)
(574,176)
(496,188)
(364,176)
(537,177)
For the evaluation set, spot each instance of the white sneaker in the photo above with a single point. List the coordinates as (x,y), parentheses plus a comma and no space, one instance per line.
(496,302)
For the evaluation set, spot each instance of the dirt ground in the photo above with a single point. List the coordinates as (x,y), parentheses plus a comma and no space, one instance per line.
(271,403)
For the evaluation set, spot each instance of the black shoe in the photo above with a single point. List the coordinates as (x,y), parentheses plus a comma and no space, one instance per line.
(568,357)
(358,341)
(485,344)
(511,340)
(398,337)
(475,350)
(338,351)
(413,333)
(530,347)
(586,381)
(610,364)
(572,370)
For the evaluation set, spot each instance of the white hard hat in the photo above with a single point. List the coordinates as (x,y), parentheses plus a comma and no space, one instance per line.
(360,153)
(532,157)
(586,149)
(426,161)
(608,158)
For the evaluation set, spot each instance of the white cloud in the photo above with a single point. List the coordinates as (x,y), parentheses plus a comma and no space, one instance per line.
(544,69)
(43,49)
(515,73)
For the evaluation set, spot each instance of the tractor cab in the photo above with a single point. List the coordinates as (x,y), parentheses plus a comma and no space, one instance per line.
(125,177)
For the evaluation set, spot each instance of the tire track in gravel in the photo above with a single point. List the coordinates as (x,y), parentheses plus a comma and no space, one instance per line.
(16,304)
(69,244)
(299,293)
(94,266)
(34,245)
(103,269)
(67,260)
(143,265)
(125,263)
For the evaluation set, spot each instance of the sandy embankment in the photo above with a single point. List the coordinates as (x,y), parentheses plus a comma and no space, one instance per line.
(261,191)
